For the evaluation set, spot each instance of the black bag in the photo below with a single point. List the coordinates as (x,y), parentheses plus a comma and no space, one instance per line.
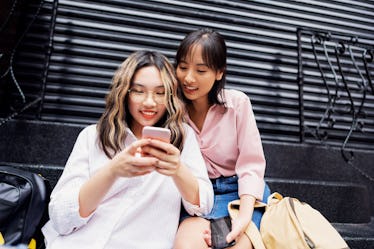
(24,197)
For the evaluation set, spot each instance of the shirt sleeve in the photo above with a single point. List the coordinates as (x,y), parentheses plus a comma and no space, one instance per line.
(250,166)
(192,157)
(64,204)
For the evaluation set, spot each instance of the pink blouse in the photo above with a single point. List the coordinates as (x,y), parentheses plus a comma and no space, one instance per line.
(231,145)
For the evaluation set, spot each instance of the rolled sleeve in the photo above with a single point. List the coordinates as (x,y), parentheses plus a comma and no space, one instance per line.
(64,203)
(250,166)
(192,157)
(64,211)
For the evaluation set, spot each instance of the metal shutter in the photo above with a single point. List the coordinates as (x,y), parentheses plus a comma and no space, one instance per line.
(91,38)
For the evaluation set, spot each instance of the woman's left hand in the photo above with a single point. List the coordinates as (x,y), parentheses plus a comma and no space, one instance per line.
(240,223)
(167,154)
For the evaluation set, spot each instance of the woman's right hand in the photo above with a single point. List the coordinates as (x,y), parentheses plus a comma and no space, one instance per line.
(127,163)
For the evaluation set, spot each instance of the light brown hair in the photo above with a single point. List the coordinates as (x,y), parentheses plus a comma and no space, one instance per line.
(116,117)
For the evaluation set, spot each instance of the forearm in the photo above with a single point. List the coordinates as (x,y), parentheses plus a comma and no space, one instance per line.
(247,203)
(187,185)
(93,191)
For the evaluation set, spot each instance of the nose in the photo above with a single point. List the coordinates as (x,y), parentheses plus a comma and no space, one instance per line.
(189,77)
(149,100)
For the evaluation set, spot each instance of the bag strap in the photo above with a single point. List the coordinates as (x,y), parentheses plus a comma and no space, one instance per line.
(251,231)
(254,236)
(309,242)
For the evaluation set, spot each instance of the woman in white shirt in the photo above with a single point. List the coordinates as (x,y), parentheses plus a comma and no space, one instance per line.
(110,197)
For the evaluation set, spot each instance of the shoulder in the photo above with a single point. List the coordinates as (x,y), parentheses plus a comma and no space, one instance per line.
(89,132)
(235,98)
(89,129)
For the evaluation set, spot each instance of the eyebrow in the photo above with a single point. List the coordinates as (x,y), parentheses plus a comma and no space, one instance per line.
(199,64)
(141,85)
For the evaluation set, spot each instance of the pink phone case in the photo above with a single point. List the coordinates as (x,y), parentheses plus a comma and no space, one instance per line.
(162,134)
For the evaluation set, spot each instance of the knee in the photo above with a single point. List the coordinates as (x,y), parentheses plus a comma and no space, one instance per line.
(190,234)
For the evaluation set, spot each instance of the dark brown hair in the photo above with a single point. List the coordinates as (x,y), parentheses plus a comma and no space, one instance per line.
(214,54)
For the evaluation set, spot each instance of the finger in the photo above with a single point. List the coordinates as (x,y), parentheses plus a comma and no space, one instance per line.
(153,151)
(132,149)
(140,173)
(166,166)
(232,235)
(144,162)
(143,168)
(207,237)
(167,147)
(165,160)
(165,172)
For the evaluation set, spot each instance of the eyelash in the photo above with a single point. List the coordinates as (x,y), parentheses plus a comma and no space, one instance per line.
(142,91)
(185,68)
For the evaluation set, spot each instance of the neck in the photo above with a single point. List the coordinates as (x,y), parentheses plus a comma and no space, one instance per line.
(198,106)
(197,111)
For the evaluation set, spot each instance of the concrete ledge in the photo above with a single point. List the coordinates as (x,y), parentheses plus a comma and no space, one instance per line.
(340,202)
(37,142)
(45,146)
(312,162)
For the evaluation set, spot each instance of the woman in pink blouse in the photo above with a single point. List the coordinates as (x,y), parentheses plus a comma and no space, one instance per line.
(230,142)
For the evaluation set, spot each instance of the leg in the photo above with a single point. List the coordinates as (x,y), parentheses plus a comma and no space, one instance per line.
(190,234)
(243,243)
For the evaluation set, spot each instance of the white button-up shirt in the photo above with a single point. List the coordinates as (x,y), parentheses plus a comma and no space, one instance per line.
(139,212)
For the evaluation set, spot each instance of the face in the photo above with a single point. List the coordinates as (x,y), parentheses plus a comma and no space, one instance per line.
(195,77)
(146,99)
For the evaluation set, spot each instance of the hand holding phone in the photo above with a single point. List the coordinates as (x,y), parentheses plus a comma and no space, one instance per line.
(159,133)
(219,229)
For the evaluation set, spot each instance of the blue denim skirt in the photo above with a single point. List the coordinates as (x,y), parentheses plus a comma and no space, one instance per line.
(226,190)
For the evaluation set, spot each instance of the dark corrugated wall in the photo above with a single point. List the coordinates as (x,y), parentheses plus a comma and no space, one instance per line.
(91,38)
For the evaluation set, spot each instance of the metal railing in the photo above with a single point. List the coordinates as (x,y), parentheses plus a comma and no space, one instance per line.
(334,69)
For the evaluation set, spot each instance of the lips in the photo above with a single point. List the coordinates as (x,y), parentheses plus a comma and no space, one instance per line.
(148,114)
(189,89)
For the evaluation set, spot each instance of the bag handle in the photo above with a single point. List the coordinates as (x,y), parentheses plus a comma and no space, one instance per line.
(235,204)
(274,198)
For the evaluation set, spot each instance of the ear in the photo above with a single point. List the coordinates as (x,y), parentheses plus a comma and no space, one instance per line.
(219,74)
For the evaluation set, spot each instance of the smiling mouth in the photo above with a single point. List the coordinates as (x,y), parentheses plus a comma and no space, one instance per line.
(148,114)
(189,88)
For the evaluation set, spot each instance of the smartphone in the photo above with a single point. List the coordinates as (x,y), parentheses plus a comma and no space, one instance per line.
(219,229)
(159,133)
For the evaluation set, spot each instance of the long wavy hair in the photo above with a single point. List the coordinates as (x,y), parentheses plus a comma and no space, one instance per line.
(116,117)
(214,54)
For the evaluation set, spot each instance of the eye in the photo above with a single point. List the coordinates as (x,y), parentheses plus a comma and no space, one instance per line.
(201,71)
(182,67)
(137,91)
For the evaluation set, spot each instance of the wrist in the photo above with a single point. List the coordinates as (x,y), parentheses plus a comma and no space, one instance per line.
(111,171)
(179,171)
